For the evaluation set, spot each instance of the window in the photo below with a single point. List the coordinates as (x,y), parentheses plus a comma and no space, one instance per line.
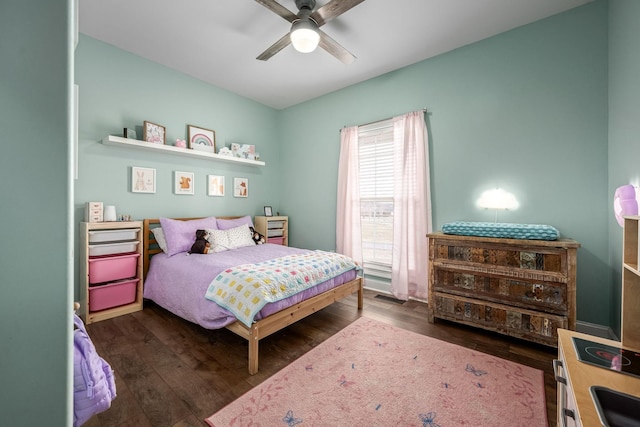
(375,143)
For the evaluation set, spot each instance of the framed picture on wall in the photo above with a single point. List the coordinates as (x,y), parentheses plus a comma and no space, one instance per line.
(201,139)
(153,133)
(240,187)
(215,185)
(183,183)
(143,180)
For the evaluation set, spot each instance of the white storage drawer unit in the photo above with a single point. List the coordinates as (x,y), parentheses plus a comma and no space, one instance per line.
(113,248)
(110,269)
(275,232)
(97,236)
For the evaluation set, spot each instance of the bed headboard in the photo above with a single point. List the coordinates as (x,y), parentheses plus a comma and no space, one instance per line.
(150,245)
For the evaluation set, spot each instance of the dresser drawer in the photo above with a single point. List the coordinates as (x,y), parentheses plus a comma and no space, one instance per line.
(522,323)
(524,293)
(502,258)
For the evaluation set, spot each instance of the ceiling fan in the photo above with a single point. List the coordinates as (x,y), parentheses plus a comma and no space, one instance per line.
(305,33)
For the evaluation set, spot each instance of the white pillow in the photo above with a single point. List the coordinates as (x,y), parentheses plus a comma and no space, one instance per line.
(233,238)
(159,235)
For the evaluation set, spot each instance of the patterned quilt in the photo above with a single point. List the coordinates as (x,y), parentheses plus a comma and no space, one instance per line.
(245,289)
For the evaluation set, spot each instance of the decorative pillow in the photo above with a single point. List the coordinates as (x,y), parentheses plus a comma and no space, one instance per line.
(257,237)
(233,238)
(179,234)
(159,235)
(226,224)
(201,245)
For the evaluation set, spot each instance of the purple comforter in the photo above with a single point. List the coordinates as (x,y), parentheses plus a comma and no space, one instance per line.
(179,283)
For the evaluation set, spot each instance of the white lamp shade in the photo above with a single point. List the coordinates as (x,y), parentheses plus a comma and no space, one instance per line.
(304,36)
(497,199)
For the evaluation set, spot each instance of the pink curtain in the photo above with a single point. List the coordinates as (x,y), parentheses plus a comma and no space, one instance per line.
(348,230)
(411,207)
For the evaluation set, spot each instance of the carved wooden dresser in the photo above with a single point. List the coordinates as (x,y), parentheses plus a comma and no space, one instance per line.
(522,288)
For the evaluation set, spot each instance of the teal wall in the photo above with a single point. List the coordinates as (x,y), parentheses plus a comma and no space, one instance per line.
(117,90)
(624,126)
(35,273)
(525,110)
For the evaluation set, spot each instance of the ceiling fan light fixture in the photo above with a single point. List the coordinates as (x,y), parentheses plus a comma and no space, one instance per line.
(304,35)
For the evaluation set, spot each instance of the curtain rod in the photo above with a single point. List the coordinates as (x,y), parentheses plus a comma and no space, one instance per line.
(424,110)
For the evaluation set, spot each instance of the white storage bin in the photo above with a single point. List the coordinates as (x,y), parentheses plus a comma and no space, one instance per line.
(113,235)
(273,232)
(113,248)
(275,224)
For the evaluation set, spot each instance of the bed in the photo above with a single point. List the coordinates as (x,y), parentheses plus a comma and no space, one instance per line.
(178,281)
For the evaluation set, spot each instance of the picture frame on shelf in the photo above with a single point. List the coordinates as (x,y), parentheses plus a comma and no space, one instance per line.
(215,185)
(268,211)
(143,180)
(154,133)
(201,139)
(184,183)
(129,133)
(240,187)
(243,151)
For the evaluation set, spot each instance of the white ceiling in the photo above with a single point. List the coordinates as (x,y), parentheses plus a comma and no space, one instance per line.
(217,41)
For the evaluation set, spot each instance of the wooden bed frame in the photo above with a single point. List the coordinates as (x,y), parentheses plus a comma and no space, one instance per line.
(273,323)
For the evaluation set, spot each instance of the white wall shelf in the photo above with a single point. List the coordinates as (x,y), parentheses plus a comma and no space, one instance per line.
(119,141)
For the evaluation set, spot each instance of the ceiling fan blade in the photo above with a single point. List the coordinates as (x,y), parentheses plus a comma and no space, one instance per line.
(335,49)
(275,48)
(332,10)
(278,9)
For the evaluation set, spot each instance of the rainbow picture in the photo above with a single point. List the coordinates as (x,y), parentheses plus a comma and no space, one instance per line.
(201,139)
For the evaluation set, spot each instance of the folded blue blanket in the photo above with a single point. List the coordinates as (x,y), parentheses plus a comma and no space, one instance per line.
(502,230)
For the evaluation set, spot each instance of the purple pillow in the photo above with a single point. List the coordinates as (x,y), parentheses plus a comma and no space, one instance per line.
(180,235)
(226,224)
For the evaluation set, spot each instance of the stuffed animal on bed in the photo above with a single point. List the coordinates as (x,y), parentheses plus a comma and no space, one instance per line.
(257,237)
(201,245)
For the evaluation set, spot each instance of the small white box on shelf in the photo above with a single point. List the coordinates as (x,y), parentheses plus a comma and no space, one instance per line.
(93,212)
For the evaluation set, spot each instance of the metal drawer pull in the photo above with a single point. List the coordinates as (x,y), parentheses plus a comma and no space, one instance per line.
(569,413)
(556,364)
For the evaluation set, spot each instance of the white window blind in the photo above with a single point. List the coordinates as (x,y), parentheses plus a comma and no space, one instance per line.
(376,145)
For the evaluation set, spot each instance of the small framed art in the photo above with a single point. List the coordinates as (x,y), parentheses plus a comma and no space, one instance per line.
(268,211)
(129,133)
(215,185)
(183,183)
(240,187)
(201,139)
(143,180)
(153,133)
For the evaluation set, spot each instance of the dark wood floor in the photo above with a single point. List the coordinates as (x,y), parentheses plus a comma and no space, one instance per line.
(170,372)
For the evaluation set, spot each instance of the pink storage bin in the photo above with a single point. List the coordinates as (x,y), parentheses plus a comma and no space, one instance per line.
(112,295)
(112,267)
(276,240)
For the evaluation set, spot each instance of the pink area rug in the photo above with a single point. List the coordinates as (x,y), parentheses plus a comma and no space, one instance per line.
(374,374)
